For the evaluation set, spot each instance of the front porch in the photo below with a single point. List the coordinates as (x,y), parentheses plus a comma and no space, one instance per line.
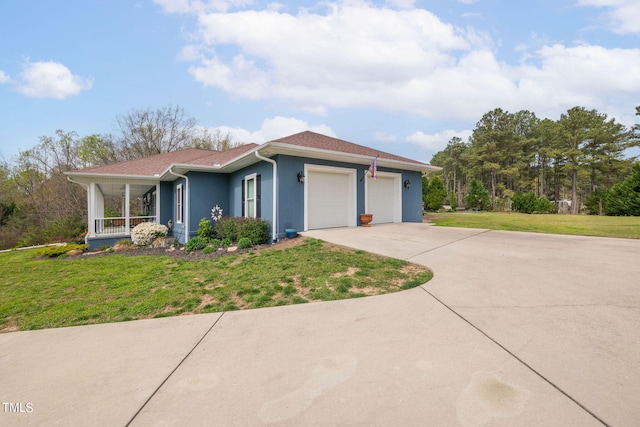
(116,207)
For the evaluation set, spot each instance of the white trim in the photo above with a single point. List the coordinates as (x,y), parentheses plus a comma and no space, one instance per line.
(274,220)
(397,193)
(179,204)
(127,196)
(353,190)
(155,196)
(247,178)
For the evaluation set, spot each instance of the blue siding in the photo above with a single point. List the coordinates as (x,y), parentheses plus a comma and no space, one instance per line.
(206,190)
(412,197)
(166,203)
(103,241)
(290,194)
(265,170)
(178,228)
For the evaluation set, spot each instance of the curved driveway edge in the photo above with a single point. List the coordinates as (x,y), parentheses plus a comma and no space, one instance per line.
(567,306)
(514,329)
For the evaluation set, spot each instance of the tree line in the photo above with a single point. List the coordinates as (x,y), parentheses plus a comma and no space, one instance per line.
(577,162)
(37,202)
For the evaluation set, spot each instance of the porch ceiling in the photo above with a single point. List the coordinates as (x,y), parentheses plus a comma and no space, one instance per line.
(118,189)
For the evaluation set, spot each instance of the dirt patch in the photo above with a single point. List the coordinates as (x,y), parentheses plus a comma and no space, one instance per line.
(10,326)
(205,299)
(350,272)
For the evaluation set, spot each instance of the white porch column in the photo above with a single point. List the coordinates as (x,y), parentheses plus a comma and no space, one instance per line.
(126,209)
(158,202)
(91,210)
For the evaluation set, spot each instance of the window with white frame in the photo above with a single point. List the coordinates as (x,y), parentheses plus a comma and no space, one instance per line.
(250,196)
(179,203)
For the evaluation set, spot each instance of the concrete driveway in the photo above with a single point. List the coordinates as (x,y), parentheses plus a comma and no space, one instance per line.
(514,329)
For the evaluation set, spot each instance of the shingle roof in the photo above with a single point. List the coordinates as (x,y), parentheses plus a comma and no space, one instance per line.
(317,141)
(157,164)
(154,166)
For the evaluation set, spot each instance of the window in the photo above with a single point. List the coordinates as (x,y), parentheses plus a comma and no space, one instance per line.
(251,196)
(179,203)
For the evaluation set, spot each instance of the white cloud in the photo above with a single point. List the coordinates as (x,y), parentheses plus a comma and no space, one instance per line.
(438,141)
(622,15)
(273,128)
(406,61)
(4,77)
(590,76)
(50,80)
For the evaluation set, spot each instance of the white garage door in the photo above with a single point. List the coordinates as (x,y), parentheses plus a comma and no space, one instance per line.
(383,198)
(329,197)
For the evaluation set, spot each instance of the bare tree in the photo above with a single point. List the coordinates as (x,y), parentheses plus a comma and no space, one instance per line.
(213,140)
(148,132)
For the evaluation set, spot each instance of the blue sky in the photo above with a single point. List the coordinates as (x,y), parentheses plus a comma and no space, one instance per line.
(403,76)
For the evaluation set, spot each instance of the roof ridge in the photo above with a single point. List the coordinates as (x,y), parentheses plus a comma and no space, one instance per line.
(300,139)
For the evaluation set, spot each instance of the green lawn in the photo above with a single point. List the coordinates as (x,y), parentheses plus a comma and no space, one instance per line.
(585,225)
(47,293)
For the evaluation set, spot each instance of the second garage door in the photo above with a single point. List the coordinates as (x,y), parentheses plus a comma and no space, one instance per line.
(383,198)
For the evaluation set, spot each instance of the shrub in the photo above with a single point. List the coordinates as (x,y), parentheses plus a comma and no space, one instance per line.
(209,249)
(254,229)
(195,244)
(145,233)
(205,229)
(233,229)
(59,250)
(227,228)
(529,203)
(545,206)
(65,229)
(226,242)
(524,202)
(244,243)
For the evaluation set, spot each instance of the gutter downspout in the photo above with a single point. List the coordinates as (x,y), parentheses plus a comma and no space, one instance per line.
(86,187)
(274,231)
(186,204)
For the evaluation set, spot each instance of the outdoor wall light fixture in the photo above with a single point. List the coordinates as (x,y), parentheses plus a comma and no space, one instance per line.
(301,177)
(407,184)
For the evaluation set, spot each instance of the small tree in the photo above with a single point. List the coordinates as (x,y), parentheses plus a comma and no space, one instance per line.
(478,197)
(435,194)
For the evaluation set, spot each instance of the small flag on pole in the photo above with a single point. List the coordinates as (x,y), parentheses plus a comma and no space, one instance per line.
(374,168)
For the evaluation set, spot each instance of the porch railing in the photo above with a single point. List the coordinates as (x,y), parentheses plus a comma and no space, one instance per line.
(117,225)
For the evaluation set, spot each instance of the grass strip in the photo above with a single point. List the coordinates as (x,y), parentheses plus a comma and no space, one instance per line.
(583,225)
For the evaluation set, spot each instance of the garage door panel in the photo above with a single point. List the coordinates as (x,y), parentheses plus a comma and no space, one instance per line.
(384,198)
(328,199)
(381,200)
